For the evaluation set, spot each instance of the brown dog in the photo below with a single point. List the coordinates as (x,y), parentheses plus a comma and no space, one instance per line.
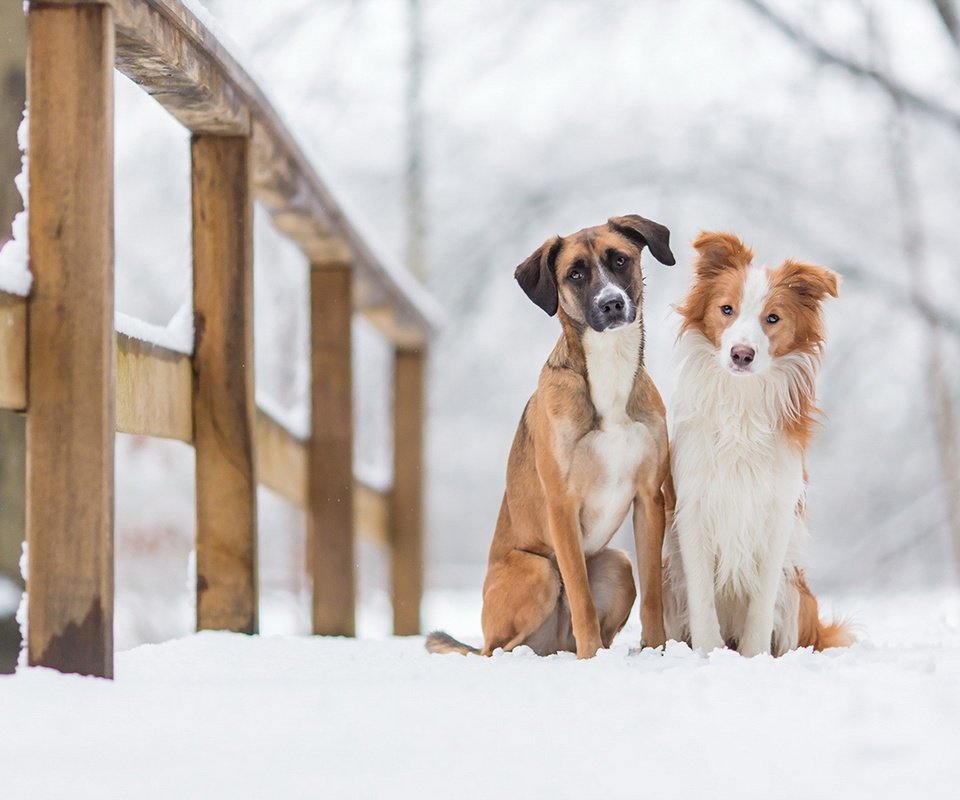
(592,442)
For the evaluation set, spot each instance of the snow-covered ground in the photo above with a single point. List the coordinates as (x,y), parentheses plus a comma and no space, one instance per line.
(228,716)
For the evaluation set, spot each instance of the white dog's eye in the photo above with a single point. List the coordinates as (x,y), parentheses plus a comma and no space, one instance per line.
(772,319)
(726,310)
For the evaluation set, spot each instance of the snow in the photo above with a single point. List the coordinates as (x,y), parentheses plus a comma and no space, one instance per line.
(295,419)
(378,477)
(21,614)
(222,715)
(176,335)
(15,276)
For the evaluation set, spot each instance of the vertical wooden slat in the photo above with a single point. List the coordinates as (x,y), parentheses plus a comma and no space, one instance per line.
(223,394)
(406,515)
(330,458)
(70,424)
(13,316)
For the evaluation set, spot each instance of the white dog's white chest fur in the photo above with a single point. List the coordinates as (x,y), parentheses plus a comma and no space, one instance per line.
(737,477)
(614,452)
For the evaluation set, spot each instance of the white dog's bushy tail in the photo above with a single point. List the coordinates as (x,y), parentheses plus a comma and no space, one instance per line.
(814,631)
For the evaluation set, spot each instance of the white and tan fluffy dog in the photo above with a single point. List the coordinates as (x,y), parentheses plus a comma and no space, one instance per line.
(743,414)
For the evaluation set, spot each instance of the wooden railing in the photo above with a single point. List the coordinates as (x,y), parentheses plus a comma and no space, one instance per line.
(79,381)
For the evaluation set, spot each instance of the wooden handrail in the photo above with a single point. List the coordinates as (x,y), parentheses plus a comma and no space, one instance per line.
(163,47)
(78,380)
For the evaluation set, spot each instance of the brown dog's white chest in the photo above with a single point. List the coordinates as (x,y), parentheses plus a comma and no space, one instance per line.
(608,458)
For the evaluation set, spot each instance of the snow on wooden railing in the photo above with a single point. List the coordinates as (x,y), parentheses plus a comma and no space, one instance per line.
(79,380)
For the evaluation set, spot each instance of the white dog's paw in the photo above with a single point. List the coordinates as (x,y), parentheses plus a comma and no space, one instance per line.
(708,643)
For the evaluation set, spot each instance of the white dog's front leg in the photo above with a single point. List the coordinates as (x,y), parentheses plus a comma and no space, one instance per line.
(761,609)
(701,595)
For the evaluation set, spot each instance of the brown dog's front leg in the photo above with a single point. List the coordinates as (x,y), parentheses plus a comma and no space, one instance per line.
(648,524)
(565,533)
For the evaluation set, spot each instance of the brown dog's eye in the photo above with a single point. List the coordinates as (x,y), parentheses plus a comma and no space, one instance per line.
(619,261)
(575,275)
(772,319)
(726,310)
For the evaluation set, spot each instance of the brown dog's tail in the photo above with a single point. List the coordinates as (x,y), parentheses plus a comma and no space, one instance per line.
(440,642)
(813,631)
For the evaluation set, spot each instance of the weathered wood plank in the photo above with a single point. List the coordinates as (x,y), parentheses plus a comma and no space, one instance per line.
(70,425)
(154,397)
(281,460)
(167,50)
(282,468)
(303,209)
(163,47)
(154,390)
(183,77)
(330,460)
(371,514)
(153,384)
(13,352)
(407,508)
(223,386)
(13,440)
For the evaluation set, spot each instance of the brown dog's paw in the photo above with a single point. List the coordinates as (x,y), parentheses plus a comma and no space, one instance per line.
(653,636)
(589,648)
(653,643)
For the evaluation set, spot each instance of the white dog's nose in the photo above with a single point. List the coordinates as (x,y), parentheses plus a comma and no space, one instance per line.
(741,355)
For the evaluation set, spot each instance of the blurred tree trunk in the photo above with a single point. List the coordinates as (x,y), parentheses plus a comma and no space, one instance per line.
(943,411)
(949,17)
(416,215)
(921,104)
(946,427)
(12,428)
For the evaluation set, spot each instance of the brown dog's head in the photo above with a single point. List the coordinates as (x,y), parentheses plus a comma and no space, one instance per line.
(594,275)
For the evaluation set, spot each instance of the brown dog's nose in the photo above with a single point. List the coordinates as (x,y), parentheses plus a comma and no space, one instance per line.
(611,306)
(742,355)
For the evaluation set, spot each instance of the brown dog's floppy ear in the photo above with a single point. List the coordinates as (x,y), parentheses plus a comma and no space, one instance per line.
(535,275)
(644,231)
(720,251)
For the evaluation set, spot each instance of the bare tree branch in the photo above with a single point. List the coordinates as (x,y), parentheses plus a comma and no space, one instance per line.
(917,102)
(948,15)
(872,281)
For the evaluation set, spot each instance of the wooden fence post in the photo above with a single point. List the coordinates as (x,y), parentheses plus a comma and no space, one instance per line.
(13,448)
(223,394)
(330,484)
(70,423)
(406,515)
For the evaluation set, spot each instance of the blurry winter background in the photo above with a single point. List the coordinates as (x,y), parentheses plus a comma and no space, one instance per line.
(823,130)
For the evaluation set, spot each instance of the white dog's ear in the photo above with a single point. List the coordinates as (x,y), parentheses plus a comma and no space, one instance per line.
(720,251)
(536,278)
(809,281)
(645,231)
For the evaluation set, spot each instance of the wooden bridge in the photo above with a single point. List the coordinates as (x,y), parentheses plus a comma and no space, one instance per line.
(78,381)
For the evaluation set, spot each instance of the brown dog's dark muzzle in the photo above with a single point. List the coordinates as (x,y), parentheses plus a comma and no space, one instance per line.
(611,309)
